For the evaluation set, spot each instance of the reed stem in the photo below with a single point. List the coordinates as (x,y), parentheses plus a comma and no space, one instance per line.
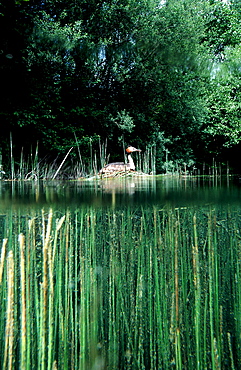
(131,288)
(8,361)
(3,254)
(23,302)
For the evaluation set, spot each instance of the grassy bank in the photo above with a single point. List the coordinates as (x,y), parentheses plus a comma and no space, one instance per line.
(120,289)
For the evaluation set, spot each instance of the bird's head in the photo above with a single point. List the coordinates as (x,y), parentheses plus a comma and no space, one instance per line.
(131,149)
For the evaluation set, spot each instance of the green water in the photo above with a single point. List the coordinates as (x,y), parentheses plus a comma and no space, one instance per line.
(121,274)
(176,191)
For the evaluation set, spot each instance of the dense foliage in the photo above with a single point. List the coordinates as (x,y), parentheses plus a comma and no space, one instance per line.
(164,73)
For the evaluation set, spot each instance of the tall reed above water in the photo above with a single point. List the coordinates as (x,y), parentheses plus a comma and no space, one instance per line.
(121,289)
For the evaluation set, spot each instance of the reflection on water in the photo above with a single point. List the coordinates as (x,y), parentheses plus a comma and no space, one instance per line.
(119,192)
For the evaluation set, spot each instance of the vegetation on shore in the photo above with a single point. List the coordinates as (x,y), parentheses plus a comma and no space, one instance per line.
(163,74)
(65,167)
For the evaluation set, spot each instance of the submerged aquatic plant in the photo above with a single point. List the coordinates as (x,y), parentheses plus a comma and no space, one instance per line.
(130,289)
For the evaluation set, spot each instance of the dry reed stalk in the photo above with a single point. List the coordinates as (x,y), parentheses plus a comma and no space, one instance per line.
(23,300)
(3,253)
(61,164)
(59,224)
(55,367)
(230,351)
(9,331)
(216,354)
(45,285)
(50,265)
(43,227)
(172,315)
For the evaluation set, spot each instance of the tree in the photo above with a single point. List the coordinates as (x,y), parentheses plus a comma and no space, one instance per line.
(143,70)
(223,25)
(172,69)
(225,101)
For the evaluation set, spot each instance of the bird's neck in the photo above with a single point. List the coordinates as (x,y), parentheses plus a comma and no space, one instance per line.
(131,162)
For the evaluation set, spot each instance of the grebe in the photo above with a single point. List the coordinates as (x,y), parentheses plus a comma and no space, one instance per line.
(121,166)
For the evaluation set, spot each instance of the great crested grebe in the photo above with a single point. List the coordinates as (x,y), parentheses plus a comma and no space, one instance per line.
(121,166)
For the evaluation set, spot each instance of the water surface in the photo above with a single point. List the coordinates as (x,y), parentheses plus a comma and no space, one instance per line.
(161,191)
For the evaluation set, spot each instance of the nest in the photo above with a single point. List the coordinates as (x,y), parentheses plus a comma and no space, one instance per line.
(118,174)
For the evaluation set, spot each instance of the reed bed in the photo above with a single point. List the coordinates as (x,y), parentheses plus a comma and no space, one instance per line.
(127,288)
(69,165)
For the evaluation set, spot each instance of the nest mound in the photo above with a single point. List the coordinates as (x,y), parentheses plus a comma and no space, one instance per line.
(115,174)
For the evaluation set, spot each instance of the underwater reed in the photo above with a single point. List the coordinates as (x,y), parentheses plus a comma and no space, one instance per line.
(128,288)
(3,254)
(8,359)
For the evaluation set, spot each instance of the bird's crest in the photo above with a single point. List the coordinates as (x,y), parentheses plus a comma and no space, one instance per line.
(131,149)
